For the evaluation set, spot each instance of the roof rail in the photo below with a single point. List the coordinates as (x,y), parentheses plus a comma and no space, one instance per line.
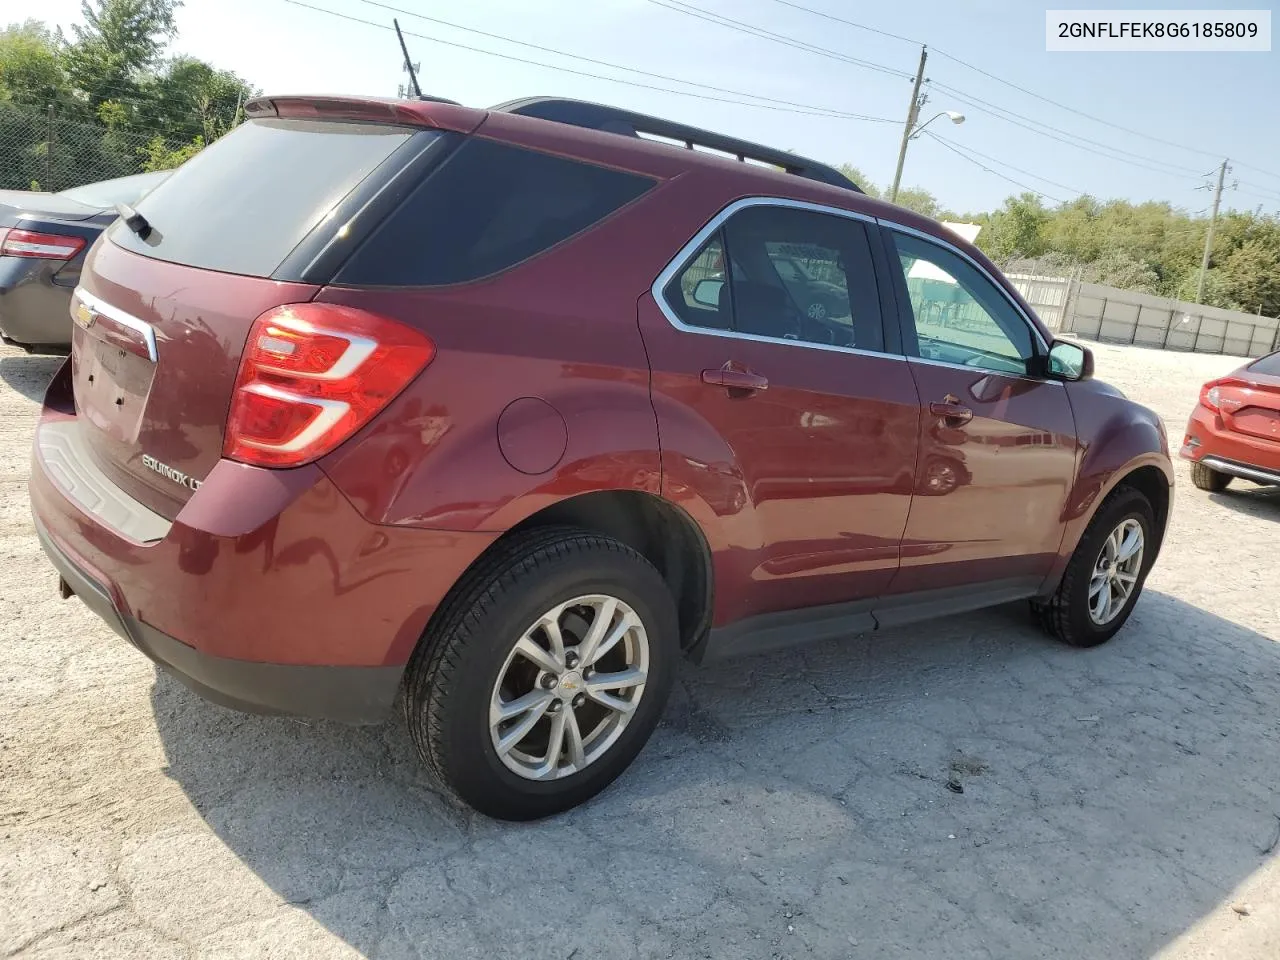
(596,116)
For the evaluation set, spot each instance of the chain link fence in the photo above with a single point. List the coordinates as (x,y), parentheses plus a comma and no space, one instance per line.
(39,150)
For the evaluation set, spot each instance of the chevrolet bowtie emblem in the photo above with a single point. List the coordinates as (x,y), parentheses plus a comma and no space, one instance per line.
(84,315)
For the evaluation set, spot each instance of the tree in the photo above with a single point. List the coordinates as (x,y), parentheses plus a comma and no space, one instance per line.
(861,179)
(1119,268)
(920,200)
(1014,230)
(1250,276)
(189,99)
(31,73)
(161,157)
(119,41)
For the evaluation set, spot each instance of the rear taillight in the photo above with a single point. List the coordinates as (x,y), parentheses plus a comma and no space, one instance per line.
(1211,392)
(312,374)
(44,246)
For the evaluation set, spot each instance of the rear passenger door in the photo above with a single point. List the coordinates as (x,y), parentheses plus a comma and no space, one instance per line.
(783,416)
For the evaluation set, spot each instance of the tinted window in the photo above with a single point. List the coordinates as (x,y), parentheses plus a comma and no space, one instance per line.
(243,203)
(1267,366)
(697,293)
(488,207)
(799,275)
(960,316)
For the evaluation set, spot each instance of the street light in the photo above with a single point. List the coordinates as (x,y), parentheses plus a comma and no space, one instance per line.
(954,117)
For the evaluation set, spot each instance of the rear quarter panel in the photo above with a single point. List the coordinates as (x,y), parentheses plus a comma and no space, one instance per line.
(560,328)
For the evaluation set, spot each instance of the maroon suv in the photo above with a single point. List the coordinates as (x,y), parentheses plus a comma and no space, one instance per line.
(513,408)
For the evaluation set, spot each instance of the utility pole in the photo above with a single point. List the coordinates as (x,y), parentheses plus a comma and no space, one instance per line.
(1208,239)
(408,65)
(913,111)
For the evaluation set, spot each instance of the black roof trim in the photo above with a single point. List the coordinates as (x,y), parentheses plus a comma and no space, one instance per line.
(596,116)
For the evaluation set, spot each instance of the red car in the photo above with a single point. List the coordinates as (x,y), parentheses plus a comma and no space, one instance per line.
(1235,429)
(380,395)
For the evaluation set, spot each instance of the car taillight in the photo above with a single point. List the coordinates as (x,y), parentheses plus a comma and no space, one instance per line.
(1211,392)
(312,374)
(44,246)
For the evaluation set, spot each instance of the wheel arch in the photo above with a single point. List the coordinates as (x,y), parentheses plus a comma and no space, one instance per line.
(1150,473)
(661,532)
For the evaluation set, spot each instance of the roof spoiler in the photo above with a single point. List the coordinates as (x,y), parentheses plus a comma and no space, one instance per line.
(432,112)
(596,116)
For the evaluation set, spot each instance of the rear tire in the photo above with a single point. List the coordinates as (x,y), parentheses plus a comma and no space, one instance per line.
(467,673)
(1071,614)
(1206,478)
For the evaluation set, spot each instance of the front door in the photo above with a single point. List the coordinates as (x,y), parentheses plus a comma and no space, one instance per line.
(997,444)
(786,428)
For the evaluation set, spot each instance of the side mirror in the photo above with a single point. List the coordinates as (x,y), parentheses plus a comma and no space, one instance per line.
(1070,361)
(707,292)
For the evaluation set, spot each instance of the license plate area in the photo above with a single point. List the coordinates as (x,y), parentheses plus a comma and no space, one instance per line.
(111,385)
(1257,422)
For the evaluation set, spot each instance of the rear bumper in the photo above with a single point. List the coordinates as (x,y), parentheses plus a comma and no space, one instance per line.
(268,592)
(1209,441)
(1256,474)
(347,694)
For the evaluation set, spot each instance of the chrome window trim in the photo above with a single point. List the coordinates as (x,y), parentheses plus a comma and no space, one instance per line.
(690,249)
(952,248)
(983,370)
(122,318)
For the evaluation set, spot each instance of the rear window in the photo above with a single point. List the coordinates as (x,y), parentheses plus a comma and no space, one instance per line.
(486,208)
(1268,366)
(242,204)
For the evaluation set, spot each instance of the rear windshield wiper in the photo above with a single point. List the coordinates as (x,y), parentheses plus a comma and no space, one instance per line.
(134,220)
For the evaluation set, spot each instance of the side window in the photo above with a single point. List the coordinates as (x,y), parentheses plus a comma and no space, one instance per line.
(801,275)
(488,207)
(697,293)
(960,316)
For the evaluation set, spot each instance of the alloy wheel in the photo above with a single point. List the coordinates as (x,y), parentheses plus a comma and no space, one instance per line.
(569,687)
(1115,573)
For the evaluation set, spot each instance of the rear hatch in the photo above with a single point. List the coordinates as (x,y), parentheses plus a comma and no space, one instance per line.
(258,219)
(1251,399)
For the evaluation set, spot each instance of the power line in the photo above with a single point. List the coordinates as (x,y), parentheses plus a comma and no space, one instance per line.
(581,73)
(979,163)
(1066,139)
(829,111)
(1009,83)
(1258,170)
(999,111)
(678,6)
(1004,163)
(851,23)
(1258,190)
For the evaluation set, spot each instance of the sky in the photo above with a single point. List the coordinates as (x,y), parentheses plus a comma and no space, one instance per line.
(1208,106)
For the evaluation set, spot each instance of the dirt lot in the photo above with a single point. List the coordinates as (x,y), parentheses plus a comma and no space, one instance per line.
(1120,802)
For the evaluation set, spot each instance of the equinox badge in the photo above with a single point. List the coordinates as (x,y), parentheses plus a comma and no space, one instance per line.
(177,476)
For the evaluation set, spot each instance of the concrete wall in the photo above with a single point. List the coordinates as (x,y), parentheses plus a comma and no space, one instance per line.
(1092,311)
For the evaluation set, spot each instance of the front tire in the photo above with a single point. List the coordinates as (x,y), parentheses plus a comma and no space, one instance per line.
(544,673)
(1206,478)
(1105,575)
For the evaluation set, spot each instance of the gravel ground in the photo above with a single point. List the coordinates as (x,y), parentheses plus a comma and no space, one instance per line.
(1119,802)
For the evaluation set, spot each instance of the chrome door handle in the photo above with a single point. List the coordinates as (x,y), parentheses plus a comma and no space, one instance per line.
(732,377)
(951,411)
